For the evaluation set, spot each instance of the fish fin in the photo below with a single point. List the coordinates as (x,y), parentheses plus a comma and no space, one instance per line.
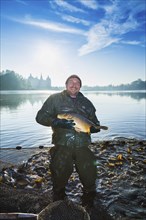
(104,127)
(101,127)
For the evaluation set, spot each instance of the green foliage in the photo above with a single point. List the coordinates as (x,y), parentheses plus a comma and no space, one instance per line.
(9,80)
(135,85)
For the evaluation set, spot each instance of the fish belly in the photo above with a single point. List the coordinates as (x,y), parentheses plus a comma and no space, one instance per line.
(80,125)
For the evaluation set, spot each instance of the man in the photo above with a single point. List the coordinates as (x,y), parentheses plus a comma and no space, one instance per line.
(70,146)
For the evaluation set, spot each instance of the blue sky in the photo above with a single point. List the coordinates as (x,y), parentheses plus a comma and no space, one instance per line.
(103,41)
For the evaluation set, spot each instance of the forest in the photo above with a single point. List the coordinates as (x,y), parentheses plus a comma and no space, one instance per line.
(9,80)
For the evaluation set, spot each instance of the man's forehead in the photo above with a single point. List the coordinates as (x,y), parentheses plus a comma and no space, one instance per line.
(74,79)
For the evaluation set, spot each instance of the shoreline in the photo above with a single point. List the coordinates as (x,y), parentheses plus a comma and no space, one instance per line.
(121,183)
(18,155)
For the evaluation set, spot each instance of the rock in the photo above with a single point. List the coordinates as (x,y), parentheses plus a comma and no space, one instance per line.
(22,200)
(18,147)
(121,182)
(63,210)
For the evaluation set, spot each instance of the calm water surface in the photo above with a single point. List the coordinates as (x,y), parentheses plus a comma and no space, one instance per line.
(122,112)
(122,186)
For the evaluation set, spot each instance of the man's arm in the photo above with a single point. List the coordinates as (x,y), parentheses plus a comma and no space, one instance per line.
(45,115)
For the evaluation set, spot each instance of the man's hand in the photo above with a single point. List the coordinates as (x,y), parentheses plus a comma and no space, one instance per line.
(63,123)
(94,130)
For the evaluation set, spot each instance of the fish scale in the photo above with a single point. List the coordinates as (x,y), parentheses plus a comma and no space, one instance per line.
(82,124)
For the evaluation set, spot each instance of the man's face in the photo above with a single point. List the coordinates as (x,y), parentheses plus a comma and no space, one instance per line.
(73,86)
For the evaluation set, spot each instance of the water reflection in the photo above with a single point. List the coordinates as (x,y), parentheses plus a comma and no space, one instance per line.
(134,95)
(13,100)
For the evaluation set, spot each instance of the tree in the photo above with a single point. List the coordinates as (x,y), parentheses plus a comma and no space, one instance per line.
(9,80)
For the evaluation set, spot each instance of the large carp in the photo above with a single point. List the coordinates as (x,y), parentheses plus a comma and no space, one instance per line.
(82,124)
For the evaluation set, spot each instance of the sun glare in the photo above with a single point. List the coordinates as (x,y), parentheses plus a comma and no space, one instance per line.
(47,54)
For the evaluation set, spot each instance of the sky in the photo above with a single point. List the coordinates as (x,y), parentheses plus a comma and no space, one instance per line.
(102,41)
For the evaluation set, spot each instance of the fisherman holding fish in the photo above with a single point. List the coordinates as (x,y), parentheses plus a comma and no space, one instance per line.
(72,118)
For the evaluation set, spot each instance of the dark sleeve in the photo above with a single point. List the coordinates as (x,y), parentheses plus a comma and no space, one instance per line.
(92,113)
(46,114)
(93,117)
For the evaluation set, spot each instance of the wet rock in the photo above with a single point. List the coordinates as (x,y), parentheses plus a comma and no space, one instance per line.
(18,147)
(40,170)
(63,210)
(22,200)
(120,184)
(41,146)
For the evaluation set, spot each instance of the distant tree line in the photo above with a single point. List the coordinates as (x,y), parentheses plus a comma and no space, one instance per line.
(9,80)
(135,85)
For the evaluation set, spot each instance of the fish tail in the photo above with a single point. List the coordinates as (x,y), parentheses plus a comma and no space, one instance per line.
(102,127)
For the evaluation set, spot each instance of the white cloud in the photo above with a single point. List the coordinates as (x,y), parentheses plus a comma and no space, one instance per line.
(22,2)
(67,6)
(131,42)
(89,3)
(104,34)
(98,38)
(75,20)
(52,26)
(119,19)
(111,29)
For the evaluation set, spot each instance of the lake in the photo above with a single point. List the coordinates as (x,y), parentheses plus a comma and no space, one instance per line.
(123,112)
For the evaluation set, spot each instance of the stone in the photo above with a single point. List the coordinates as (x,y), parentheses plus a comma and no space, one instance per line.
(63,210)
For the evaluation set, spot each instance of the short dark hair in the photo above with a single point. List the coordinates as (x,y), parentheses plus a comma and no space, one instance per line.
(74,76)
